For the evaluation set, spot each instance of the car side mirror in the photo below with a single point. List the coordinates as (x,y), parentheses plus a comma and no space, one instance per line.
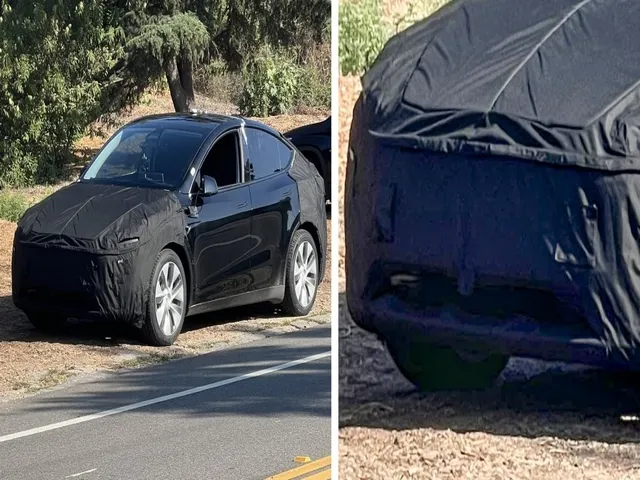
(83,171)
(210,186)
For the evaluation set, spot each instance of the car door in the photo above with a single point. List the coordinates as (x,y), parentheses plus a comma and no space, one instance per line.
(274,197)
(219,231)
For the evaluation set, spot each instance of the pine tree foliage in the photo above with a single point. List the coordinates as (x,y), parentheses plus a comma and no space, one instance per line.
(54,62)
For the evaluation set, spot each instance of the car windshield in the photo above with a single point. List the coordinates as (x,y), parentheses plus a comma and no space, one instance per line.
(146,156)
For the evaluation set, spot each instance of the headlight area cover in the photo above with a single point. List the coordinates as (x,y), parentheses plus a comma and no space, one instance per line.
(92,256)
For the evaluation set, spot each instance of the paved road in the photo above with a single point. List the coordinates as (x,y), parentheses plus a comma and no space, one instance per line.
(251,413)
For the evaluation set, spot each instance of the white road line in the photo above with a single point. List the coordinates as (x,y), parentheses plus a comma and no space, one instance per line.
(165,398)
(81,473)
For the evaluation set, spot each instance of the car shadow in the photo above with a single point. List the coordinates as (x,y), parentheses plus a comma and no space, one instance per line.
(14,326)
(532,399)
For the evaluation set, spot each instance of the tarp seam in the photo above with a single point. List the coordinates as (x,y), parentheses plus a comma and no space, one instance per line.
(535,49)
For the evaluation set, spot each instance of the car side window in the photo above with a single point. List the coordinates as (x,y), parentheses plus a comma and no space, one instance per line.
(222,162)
(265,154)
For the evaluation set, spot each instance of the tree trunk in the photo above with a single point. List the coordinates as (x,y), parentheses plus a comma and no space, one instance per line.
(185,70)
(181,93)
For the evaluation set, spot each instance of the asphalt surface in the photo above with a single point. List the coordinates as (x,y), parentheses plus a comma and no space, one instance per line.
(247,428)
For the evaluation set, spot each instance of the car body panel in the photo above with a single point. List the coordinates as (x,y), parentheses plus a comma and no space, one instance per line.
(275,210)
(219,243)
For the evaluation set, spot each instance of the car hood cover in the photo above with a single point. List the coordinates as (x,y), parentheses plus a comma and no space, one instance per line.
(99,218)
(558,82)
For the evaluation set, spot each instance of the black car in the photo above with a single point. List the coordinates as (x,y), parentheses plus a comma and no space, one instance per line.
(314,142)
(178,214)
(493,190)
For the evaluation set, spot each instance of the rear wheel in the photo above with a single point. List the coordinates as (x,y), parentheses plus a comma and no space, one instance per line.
(431,367)
(46,322)
(301,282)
(166,304)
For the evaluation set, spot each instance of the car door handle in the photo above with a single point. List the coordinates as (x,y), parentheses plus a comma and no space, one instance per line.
(243,204)
(286,194)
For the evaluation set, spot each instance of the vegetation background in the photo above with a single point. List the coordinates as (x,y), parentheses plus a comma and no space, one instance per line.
(69,68)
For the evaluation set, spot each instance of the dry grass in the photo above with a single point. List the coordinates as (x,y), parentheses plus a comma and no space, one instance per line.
(540,423)
(30,360)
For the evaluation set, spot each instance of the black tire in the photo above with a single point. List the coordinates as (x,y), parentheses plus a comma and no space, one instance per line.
(46,322)
(430,367)
(291,305)
(151,330)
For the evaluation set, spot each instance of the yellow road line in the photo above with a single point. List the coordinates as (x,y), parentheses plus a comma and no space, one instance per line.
(324,475)
(306,468)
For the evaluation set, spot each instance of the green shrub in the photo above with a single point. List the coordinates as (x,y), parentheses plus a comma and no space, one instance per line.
(270,84)
(12,206)
(314,89)
(54,62)
(363,33)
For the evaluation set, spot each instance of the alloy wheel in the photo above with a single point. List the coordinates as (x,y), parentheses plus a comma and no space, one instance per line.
(169,298)
(305,273)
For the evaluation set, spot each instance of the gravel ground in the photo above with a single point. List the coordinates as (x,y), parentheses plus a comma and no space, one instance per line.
(541,421)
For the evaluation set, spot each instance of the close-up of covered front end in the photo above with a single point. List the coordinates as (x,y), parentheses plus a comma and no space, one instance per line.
(492,201)
(89,251)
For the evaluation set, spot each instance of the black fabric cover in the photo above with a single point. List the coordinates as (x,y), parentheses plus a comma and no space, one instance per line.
(106,272)
(555,81)
(498,141)
(312,201)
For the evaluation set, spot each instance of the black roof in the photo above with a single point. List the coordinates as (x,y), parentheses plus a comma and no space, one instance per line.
(198,120)
(550,80)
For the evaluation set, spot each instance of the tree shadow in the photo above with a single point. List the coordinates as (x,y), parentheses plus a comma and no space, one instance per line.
(532,399)
(70,169)
(308,386)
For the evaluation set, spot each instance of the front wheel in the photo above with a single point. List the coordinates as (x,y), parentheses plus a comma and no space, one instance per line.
(301,281)
(167,300)
(431,367)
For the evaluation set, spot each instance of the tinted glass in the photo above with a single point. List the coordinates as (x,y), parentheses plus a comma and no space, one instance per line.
(265,154)
(146,156)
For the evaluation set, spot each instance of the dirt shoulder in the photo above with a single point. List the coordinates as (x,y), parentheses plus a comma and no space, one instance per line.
(30,361)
